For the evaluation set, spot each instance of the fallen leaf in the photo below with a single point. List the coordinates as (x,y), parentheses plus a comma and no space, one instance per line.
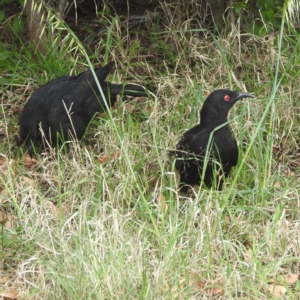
(4,279)
(104,158)
(214,291)
(277,290)
(53,208)
(276,149)
(9,220)
(9,294)
(29,181)
(291,279)
(6,165)
(211,288)
(17,110)
(29,162)
(3,132)
(277,184)
(248,256)
(4,196)
(129,107)
(2,160)
(294,163)
(228,219)
(149,109)
(160,198)
(154,181)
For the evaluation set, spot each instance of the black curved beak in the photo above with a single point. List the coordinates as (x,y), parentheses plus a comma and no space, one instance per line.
(241,95)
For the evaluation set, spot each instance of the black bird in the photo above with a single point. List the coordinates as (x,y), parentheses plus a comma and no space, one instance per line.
(64,106)
(211,139)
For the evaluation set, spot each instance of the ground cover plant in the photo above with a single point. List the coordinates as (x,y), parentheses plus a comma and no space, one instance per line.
(103,219)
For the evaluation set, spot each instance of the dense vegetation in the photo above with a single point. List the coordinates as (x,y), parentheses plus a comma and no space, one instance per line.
(102,219)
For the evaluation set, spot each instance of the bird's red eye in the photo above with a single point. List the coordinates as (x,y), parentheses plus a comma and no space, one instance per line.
(227,98)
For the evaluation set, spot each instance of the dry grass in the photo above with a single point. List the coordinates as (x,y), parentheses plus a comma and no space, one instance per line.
(75,228)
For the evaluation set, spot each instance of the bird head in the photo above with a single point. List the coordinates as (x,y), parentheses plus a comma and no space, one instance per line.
(218,104)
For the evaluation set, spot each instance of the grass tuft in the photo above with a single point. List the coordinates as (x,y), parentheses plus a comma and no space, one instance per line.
(102,219)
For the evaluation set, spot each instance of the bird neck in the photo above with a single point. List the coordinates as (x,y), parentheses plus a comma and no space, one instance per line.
(212,116)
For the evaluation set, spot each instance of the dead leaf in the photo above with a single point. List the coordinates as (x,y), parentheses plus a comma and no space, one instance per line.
(104,158)
(291,279)
(228,219)
(2,160)
(9,294)
(154,181)
(276,149)
(160,198)
(4,280)
(211,288)
(248,256)
(214,288)
(148,109)
(3,132)
(294,163)
(277,290)
(17,110)
(53,208)
(10,164)
(9,220)
(29,181)
(214,291)
(29,162)
(4,196)
(129,107)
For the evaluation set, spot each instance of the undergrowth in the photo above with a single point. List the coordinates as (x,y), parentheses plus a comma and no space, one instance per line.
(103,219)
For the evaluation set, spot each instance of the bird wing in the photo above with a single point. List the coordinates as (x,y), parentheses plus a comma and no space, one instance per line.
(226,146)
(194,140)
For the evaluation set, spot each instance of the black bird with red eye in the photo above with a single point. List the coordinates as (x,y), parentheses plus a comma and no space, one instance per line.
(207,151)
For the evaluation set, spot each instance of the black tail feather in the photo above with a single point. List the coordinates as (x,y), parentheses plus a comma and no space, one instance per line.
(128,90)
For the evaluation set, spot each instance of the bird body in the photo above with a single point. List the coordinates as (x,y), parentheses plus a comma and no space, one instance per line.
(209,150)
(66,105)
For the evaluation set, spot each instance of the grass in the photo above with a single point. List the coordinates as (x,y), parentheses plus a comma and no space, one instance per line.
(74,228)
